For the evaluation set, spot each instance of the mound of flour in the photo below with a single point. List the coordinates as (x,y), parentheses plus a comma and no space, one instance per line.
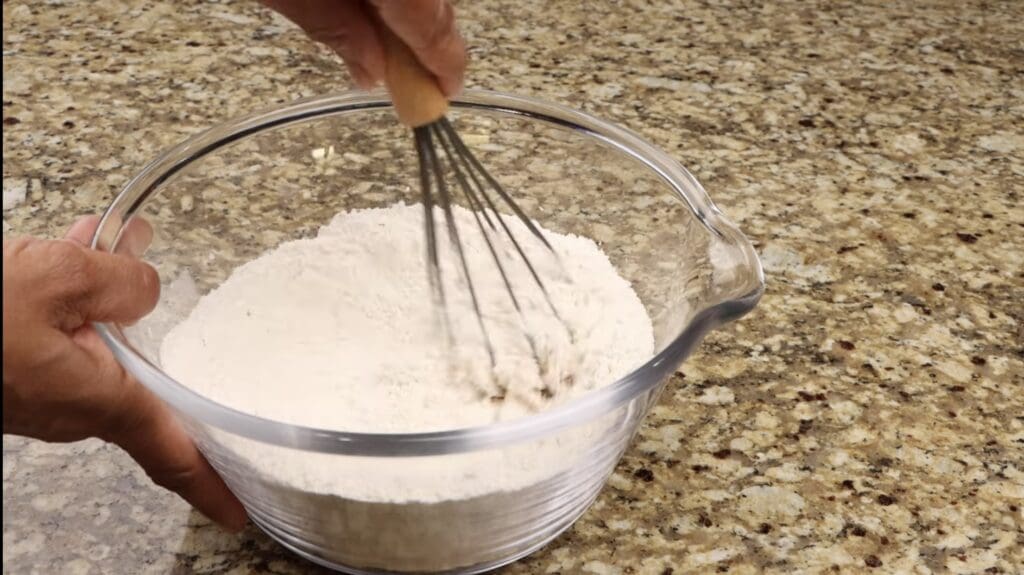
(339,332)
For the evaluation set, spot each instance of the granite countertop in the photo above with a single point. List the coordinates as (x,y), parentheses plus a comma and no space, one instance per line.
(869,413)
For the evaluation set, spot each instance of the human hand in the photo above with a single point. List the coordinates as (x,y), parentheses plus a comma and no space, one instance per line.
(61,383)
(349,27)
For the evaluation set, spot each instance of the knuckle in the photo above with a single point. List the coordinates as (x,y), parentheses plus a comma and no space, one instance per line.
(175,478)
(123,418)
(15,248)
(18,267)
(70,264)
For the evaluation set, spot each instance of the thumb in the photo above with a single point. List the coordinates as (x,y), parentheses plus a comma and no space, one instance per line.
(119,287)
(156,440)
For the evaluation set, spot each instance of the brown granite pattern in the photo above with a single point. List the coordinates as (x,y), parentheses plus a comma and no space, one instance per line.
(869,414)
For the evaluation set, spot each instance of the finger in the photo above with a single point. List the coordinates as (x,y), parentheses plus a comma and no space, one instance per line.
(345,27)
(82,230)
(89,285)
(121,288)
(156,440)
(131,416)
(163,449)
(135,238)
(428,28)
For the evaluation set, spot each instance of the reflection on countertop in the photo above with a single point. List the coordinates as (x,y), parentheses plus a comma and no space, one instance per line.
(867,415)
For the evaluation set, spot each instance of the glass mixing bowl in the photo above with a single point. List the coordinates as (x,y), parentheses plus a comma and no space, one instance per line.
(224,197)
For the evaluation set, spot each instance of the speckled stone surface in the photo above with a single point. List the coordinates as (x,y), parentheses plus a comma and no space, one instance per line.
(868,415)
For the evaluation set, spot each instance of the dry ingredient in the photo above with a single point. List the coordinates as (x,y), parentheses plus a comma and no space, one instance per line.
(339,332)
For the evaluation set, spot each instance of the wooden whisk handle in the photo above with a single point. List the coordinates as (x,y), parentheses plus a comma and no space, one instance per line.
(417,98)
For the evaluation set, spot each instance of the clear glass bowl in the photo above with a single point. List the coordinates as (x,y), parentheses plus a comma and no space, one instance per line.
(227,195)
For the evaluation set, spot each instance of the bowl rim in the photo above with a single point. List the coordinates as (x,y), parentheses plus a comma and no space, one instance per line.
(578,410)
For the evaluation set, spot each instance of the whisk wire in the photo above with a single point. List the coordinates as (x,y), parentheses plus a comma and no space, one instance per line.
(422,137)
(477,209)
(474,166)
(444,198)
(464,152)
(468,171)
(419,103)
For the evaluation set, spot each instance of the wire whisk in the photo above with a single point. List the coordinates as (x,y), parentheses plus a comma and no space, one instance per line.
(440,151)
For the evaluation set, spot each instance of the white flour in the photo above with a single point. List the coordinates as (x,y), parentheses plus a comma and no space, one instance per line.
(338,332)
